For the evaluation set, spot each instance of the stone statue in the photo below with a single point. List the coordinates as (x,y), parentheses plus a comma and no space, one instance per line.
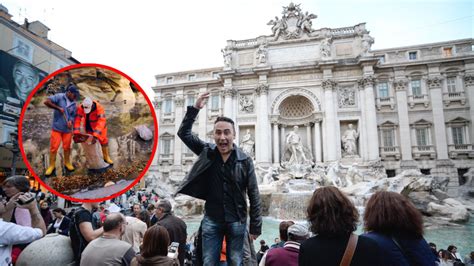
(326,48)
(305,22)
(246,104)
(367,42)
(247,144)
(349,141)
(293,142)
(227,53)
(278,25)
(267,175)
(261,54)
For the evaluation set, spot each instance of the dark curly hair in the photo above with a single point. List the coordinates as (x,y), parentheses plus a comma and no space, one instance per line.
(390,213)
(331,213)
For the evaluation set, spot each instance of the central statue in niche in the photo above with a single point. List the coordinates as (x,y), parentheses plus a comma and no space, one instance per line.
(296,158)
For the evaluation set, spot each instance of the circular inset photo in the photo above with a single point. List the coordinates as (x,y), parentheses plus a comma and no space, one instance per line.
(88,132)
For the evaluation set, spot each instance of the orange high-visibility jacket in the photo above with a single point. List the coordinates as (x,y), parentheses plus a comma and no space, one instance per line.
(97,121)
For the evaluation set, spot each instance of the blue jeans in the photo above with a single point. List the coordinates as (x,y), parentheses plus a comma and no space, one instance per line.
(212,236)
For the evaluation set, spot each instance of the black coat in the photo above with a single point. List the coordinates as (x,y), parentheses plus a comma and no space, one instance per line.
(195,184)
(177,230)
(63,227)
(325,250)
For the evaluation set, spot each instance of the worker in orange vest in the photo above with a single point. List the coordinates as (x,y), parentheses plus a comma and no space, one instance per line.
(93,115)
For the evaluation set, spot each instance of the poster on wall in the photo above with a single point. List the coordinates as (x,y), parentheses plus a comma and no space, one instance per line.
(17,79)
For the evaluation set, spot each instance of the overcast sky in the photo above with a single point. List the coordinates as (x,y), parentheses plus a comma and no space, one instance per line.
(143,38)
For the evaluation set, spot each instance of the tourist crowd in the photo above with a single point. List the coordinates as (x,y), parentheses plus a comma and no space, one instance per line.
(150,234)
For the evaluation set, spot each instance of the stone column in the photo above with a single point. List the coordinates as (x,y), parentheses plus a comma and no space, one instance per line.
(282,140)
(276,143)
(363,139)
(436,94)
(330,119)
(228,106)
(371,117)
(400,86)
(317,141)
(157,108)
(262,145)
(202,118)
(469,87)
(308,137)
(178,117)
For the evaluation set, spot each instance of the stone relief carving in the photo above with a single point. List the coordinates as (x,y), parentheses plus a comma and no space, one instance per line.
(227,54)
(246,103)
(346,97)
(326,48)
(261,54)
(247,144)
(293,23)
(349,141)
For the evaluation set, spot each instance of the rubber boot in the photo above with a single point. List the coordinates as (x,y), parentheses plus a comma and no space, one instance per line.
(52,164)
(67,161)
(105,153)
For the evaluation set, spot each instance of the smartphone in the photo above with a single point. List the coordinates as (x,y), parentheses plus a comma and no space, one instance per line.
(173,250)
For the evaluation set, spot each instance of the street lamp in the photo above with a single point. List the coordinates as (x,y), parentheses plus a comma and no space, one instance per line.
(12,145)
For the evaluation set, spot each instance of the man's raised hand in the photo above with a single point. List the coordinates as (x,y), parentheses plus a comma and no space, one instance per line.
(202,100)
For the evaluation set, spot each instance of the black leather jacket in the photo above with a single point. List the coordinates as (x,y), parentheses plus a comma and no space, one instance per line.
(195,184)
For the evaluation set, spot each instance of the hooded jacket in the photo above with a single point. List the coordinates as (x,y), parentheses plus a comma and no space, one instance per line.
(245,182)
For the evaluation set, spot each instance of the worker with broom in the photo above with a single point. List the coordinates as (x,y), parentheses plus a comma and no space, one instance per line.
(65,109)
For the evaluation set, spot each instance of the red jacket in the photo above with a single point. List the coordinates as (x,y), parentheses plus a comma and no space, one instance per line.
(97,121)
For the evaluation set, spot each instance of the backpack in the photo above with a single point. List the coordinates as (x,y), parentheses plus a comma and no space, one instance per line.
(74,229)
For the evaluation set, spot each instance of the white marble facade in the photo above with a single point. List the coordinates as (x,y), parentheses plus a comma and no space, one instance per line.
(408,107)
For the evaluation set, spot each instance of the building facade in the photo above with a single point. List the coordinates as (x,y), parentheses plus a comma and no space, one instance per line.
(406,107)
(26,57)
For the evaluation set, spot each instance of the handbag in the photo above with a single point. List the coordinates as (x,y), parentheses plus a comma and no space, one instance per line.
(350,249)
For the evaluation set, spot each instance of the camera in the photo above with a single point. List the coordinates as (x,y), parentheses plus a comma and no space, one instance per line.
(31,198)
(173,250)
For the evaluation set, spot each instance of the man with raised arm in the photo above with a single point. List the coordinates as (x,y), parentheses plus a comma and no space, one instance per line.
(222,176)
